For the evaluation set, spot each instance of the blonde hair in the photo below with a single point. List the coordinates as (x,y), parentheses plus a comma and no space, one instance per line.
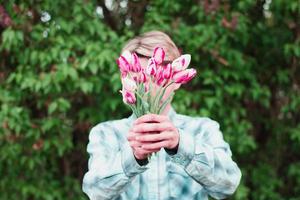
(144,45)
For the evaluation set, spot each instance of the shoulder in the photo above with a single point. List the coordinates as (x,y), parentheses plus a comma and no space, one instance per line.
(108,131)
(198,122)
(204,129)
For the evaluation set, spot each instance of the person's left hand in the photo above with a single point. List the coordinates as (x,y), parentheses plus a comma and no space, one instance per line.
(157,131)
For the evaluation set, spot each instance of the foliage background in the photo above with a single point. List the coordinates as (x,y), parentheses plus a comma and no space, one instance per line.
(59,78)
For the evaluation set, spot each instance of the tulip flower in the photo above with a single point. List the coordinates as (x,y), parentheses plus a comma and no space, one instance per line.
(124,74)
(129,84)
(123,64)
(136,65)
(143,77)
(140,77)
(167,71)
(181,63)
(128,96)
(184,76)
(159,55)
(127,55)
(159,75)
(151,67)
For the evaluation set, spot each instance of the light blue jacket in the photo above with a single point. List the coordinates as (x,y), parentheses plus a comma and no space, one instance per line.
(202,165)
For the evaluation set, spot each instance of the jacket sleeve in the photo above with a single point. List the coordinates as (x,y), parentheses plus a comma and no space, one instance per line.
(206,157)
(111,167)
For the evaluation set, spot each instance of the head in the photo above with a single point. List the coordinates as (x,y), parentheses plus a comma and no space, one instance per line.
(144,46)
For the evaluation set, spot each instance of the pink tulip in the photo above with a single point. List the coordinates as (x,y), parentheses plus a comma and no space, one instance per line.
(143,77)
(123,64)
(151,67)
(140,77)
(159,75)
(181,63)
(167,71)
(127,55)
(136,65)
(128,96)
(159,55)
(146,87)
(184,76)
(129,84)
(124,74)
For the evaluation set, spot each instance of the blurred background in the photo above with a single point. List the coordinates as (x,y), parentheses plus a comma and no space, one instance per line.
(59,78)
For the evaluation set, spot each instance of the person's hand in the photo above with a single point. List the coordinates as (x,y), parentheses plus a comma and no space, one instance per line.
(139,152)
(153,132)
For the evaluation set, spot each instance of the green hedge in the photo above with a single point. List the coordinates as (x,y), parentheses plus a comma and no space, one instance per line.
(59,78)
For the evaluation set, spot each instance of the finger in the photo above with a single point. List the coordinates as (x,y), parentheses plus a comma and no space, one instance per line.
(132,135)
(147,151)
(135,144)
(151,118)
(142,151)
(154,137)
(154,150)
(157,145)
(150,127)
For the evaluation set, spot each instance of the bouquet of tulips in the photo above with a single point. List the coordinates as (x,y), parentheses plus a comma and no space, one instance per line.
(143,87)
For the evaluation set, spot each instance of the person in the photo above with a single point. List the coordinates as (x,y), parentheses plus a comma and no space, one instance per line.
(192,159)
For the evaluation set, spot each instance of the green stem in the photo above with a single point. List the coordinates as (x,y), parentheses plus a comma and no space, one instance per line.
(149,95)
(156,98)
(161,96)
(133,109)
(168,100)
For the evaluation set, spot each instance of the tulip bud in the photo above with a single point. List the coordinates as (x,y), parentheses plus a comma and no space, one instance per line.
(151,67)
(127,55)
(136,65)
(146,87)
(124,74)
(167,71)
(123,64)
(159,55)
(128,96)
(128,84)
(143,77)
(140,77)
(181,63)
(184,76)
(159,76)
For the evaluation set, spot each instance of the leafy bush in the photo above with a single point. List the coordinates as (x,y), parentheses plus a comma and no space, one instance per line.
(59,78)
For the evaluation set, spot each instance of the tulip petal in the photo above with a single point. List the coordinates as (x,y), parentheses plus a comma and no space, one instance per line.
(123,64)
(167,71)
(128,97)
(159,76)
(159,55)
(151,67)
(184,76)
(129,84)
(181,63)
(136,65)
(127,55)
(143,77)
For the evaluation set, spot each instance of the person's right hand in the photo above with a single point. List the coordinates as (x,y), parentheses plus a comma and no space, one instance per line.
(138,151)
